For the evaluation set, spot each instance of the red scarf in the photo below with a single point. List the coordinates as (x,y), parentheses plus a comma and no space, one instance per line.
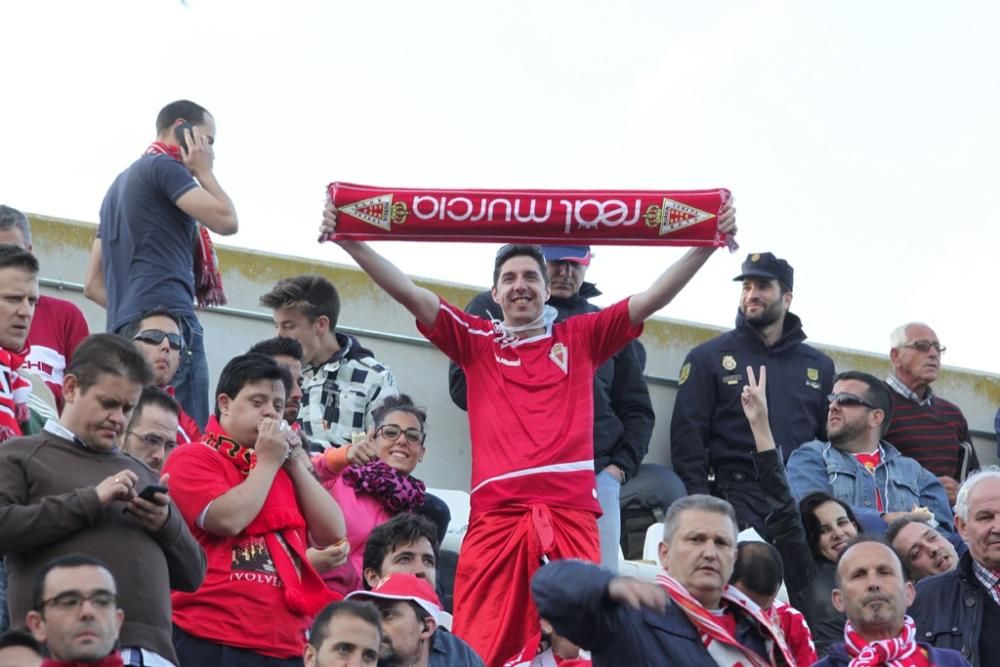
(529,216)
(113,660)
(720,642)
(207,277)
(901,651)
(281,524)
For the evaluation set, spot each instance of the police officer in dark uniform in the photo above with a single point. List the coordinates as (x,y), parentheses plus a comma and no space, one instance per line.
(710,439)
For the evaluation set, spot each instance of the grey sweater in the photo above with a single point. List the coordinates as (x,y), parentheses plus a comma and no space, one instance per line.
(49,508)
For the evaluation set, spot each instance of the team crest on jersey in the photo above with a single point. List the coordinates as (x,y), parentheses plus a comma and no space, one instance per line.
(560,354)
(685,372)
(729,362)
(812,374)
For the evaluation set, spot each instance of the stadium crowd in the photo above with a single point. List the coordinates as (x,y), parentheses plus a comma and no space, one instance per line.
(283,522)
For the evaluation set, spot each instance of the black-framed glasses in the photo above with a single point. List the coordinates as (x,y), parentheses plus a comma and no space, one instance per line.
(73,600)
(845,399)
(154,441)
(155,337)
(391,432)
(925,346)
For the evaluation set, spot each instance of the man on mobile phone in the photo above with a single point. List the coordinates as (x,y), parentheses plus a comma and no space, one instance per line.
(71,490)
(152,216)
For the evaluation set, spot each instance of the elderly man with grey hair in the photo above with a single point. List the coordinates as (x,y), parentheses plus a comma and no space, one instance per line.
(689,617)
(925,426)
(960,609)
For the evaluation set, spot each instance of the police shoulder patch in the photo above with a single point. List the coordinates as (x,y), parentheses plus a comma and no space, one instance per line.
(685,372)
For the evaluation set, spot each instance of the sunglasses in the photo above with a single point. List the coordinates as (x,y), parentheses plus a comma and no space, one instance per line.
(155,337)
(847,400)
(925,346)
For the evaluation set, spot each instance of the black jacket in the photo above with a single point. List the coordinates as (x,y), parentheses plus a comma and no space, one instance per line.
(808,579)
(948,611)
(623,413)
(572,596)
(708,428)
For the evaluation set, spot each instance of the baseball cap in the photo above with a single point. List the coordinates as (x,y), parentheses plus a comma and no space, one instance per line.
(567,253)
(404,586)
(766,265)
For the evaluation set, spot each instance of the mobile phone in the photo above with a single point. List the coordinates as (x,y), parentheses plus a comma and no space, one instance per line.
(179,133)
(147,493)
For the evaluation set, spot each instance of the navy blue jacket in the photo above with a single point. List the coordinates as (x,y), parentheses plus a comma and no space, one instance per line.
(623,413)
(939,657)
(708,430)
(948,611)
(447,650)
(572,596)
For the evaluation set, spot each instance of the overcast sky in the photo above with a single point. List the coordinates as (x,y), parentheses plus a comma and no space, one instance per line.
(859,138)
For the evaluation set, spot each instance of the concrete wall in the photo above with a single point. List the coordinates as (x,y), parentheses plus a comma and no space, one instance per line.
(63,248)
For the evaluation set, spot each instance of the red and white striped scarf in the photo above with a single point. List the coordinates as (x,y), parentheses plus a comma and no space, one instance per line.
(896,652)
(723,646)
(207,276)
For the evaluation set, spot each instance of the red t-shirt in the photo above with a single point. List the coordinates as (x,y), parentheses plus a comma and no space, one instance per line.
(870,462)
(56,329)
(241,603)
(531,404)
(797,635)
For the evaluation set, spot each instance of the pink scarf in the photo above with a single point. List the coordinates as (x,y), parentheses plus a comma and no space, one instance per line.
(721,644)
(896,652)
(207,276)
(529,216)
(395,492)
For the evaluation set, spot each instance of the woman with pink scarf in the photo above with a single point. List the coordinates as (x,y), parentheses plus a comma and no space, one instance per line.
(371,481)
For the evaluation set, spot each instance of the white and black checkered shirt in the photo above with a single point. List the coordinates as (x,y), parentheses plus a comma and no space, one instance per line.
(338,397)
(990,579)
(897,386)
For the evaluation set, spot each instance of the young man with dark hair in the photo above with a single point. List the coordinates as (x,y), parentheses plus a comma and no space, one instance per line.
(151,434)
(411,625)
(157,335)
(533,484)
(405,543)
(152,216)
(342,381)
(19,649)
(344,634)
(861,469)
(711,447)
(249,496)
(922,549)
(57,327)
(18,298)
(288,353)
(758,574)
(70,489)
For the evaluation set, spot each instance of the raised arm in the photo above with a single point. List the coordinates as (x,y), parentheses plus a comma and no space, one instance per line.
(672,281)
(422,303)
(93,282)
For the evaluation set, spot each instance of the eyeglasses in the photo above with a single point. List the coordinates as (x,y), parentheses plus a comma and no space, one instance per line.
(73,600)
(391,432)
(925,346)
(155,337)
(847,400)
(155,441)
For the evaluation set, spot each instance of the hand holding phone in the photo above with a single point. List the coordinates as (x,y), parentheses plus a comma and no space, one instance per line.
(148,493)
(179,132)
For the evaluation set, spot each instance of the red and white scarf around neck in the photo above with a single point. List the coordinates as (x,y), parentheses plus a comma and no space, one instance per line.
(899,651)
(722,646)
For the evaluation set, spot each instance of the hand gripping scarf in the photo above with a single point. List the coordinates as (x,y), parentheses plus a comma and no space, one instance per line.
(723,647)
(282,526)
(896,652)
(608,217)
(207,277)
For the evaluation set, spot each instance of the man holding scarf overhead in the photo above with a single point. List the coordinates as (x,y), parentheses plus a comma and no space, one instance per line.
(530,402)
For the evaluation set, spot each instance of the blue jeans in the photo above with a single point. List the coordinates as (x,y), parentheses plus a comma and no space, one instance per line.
(191,381)
(609,526)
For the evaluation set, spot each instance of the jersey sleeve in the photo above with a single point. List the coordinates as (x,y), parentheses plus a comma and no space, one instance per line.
(196,479)
(607,331)
(456,333)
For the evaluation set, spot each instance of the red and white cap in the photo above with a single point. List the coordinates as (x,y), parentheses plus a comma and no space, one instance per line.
(404,586)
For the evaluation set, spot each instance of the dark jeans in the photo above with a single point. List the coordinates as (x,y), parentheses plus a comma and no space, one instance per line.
(191,381)
(196,652)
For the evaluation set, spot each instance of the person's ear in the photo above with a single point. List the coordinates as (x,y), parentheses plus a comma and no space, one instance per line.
(662,551)
(36,625)
(119,619)
(493,293)
(371,577)
(309,655)
(430,625)
(911,593)
(838,601)
(71,387)
(322,324)
(224,401)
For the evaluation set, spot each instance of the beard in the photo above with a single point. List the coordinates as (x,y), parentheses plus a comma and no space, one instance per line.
(766,317)
(848,431)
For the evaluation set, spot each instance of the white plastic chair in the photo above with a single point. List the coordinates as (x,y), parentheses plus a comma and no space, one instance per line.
(458,504)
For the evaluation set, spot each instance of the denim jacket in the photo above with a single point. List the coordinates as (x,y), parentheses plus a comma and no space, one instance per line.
(902,482)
